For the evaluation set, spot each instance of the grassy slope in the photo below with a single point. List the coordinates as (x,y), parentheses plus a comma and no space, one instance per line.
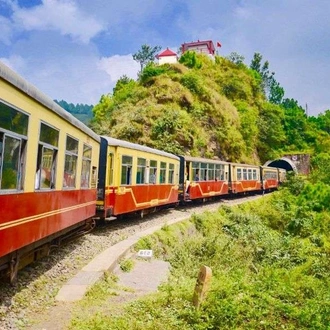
(210,111)
(270,264)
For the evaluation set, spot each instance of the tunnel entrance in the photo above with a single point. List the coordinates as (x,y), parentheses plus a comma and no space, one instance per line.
(283,162)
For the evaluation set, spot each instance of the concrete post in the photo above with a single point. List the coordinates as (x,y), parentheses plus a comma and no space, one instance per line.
(202,285)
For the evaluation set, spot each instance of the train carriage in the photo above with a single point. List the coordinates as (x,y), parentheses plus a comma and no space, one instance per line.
(48,171)
(272,177)
(244,178)
(135,178)
(203,178)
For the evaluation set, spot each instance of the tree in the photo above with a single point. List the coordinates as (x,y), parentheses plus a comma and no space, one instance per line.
(235,58)
(276,92)
(271,88)
(145,55)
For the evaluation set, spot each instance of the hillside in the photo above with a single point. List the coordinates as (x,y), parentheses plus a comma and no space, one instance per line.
(206,108)
(83,112)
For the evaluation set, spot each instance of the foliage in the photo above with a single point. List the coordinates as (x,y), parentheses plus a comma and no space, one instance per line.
(127,265)
(320,168)
(269,85)
(269,262)
(219,108)
(152,70)
(271,133)
(236,58)
(81,111)
(191,60)
(146,55)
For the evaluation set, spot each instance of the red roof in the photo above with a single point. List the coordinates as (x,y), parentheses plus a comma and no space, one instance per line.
(166,52)
(209,44)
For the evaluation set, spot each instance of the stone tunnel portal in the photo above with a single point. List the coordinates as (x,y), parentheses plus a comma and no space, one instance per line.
(283,162)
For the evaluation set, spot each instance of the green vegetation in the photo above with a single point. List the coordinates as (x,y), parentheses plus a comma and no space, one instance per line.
(269,260)
(126,265)
(210,108)
(83,112)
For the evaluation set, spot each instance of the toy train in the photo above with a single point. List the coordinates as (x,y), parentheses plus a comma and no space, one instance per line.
(57,176)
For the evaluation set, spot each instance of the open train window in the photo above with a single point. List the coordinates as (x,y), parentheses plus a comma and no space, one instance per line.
(13,137)
(195,171)
(86,166)
(47,158)
(126,170)
(210,172)
(153,171)
(141,171)
(170,173)
(12,162)
(70,166)
(94,177)
(162,173)
(239,174)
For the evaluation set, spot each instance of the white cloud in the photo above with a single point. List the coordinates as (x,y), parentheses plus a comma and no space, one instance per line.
(117,66)
(59,15)
(14,62)
(6,30)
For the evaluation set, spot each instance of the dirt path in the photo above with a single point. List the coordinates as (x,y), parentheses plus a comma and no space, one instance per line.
(144,278)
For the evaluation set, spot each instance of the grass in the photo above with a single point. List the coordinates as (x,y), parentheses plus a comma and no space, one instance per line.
(264,276)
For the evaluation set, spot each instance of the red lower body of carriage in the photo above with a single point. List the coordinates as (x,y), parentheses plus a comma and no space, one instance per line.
(244,186)
(205,189)
(128,199)
(27,218)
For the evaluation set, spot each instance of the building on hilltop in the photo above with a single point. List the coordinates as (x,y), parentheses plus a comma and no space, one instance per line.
(204,47)
(167,56)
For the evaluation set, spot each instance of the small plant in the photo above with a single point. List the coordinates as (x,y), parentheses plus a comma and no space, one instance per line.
(127,265)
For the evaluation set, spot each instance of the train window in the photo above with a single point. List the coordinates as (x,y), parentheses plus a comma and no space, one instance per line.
(249,174)
(153,171)
(195,170)
(12,162)
(47,157)
(86,166)
(171,173)
(245,174)
(162,174)
(203,172)
(13,120)
(239,174)
(141,171)
(211,171)
(49,135)
(254,175)
(126,170)
(70,165)
(45,176)
(94,177)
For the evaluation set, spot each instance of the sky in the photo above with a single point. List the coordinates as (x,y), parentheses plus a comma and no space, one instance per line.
(75,50)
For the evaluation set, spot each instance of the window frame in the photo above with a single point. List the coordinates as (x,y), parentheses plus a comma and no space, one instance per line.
(71,157)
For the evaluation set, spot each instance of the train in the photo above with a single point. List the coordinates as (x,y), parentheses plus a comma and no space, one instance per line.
(58,177)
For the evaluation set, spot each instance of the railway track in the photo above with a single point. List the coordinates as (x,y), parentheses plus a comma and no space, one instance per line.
(38,284)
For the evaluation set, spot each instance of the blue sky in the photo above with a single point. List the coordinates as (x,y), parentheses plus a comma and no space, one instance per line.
(77,49)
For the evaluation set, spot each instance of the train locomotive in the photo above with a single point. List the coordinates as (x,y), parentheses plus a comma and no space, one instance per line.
(57,177)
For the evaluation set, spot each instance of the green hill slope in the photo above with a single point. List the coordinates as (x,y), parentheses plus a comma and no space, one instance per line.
(198,107)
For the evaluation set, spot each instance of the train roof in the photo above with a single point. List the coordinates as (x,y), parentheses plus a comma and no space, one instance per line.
(20,83)
(125,144)
(204,160)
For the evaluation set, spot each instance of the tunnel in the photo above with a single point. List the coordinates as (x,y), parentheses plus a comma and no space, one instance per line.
(283,162)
